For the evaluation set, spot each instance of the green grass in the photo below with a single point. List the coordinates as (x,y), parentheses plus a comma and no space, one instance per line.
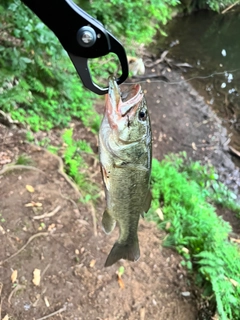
(185,192)
(23,159)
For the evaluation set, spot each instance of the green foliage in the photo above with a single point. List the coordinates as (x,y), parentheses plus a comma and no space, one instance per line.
(207,179)
(217,5)
(132,20)
(195,229)
(214,5)
(23,159)
(38,84)
(73,152)
(29,136)
(75,166)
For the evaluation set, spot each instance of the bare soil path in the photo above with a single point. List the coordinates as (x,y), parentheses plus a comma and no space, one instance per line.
(68,250)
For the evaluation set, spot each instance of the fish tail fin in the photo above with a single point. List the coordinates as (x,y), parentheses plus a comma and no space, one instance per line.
(125,251)
(108,223)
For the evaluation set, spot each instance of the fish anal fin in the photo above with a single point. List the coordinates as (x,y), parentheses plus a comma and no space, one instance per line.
(108,222)
(125,251)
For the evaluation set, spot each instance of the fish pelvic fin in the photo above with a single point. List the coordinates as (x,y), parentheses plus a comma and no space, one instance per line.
(108,223)
(125,251)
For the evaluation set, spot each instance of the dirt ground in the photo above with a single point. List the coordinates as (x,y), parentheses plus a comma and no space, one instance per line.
(69,246)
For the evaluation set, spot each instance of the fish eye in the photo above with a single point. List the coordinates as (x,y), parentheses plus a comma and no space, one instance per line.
(142,115)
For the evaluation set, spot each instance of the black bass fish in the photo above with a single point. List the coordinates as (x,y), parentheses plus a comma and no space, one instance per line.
(125,150)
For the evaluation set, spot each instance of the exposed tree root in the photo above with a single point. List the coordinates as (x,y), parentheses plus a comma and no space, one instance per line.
(47,214)
(40,234)
(18,167)
(53,313)
(63,174)
(18,287)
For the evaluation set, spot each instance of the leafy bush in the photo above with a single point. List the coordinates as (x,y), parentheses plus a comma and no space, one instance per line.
(207,178)
(38,83)
(196,231)
(217,5)
(214,5)
(74,163)
(133,20)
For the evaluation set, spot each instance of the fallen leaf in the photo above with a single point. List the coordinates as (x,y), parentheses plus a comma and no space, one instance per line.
(120,282)
(142,313)
(92,263)
(30,204)
(234,282)
(83,222)
(215,317)
(120,272)
(235,240)
(168,225)
(6,317)
(185,250)
(29,188)
(33,204)
(194,146)
(2,230)
(82,250)
(14,276)
(46,302)
(160,214)
(51,227)
(36,277)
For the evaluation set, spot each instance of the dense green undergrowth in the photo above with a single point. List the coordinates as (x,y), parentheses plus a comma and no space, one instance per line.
(38,84)
(73,153)
(40,88)
(185,191)
(215,5)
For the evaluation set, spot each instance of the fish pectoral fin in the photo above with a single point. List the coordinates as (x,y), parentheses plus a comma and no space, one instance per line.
(125,251)
(108,223)
(105,177)
(147,202)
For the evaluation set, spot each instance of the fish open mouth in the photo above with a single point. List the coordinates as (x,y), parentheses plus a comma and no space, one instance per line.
(119,104)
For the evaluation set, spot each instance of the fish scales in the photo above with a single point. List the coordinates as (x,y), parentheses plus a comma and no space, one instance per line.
(125,149)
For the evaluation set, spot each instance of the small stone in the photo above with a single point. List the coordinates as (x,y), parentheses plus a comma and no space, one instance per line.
(186,293)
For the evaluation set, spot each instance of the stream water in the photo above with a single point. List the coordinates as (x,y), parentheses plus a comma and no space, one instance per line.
(210,42)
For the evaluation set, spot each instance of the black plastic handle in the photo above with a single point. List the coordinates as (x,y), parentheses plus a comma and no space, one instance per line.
(65,18)
(68,22)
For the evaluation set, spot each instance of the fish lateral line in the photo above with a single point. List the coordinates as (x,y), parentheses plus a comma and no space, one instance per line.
(131,166)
